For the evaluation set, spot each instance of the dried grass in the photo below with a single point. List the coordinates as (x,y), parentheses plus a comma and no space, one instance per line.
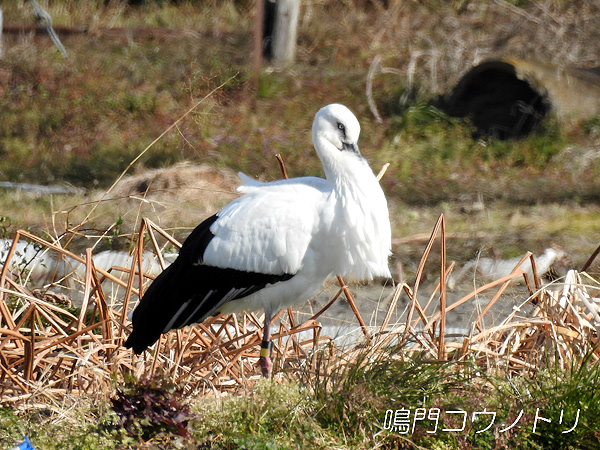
(205,186)
(561,319)
(47,351)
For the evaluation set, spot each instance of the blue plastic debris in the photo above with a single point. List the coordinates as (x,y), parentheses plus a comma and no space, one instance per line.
(25,445)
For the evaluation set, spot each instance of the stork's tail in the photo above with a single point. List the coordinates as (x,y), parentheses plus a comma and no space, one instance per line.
(147,320)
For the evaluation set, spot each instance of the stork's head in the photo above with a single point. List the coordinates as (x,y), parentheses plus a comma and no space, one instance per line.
(335,130)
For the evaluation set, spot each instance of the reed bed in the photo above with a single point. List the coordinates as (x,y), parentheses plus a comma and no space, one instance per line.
(48,350)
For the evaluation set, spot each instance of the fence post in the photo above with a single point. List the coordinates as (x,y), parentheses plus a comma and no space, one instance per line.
(286,28)
(0,32)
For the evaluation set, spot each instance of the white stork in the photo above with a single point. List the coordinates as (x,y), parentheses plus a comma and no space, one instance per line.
(275,246)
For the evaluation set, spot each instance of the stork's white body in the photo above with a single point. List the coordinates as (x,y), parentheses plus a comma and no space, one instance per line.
(303,226)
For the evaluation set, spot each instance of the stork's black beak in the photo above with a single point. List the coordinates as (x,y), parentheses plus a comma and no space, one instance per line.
(352,147)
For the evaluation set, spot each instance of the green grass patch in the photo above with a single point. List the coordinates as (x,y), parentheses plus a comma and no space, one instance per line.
(448,405)
(83,120)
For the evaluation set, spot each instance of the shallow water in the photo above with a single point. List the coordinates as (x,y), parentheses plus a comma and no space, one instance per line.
(373,302)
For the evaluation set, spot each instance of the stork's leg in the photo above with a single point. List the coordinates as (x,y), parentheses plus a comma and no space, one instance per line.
(266,346)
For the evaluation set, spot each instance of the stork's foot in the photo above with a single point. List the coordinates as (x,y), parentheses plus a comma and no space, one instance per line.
(266,365)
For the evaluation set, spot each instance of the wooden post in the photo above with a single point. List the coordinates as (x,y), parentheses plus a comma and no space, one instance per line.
(258,37)
(0,32)
(286,29)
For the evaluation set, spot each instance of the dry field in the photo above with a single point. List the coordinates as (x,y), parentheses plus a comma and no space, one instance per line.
(152,171)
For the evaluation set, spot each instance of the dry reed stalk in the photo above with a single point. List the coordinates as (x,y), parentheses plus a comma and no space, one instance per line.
(350,299)
(440,225)
(47,351)
(565,322)
(504,281)
(557,322)
(392,307)
(443,276)
(591,259)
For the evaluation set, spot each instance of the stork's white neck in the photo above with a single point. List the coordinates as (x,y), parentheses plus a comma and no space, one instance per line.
(362,206)
(343,169)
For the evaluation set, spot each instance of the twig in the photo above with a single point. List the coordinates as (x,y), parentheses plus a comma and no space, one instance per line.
(517,10)
(348,295)
(382,171)
(281,165)
(590,260)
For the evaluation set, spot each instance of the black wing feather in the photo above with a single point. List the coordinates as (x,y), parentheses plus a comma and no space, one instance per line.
(188,291)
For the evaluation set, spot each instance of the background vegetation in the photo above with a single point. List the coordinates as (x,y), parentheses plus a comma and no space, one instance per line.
(134,69)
